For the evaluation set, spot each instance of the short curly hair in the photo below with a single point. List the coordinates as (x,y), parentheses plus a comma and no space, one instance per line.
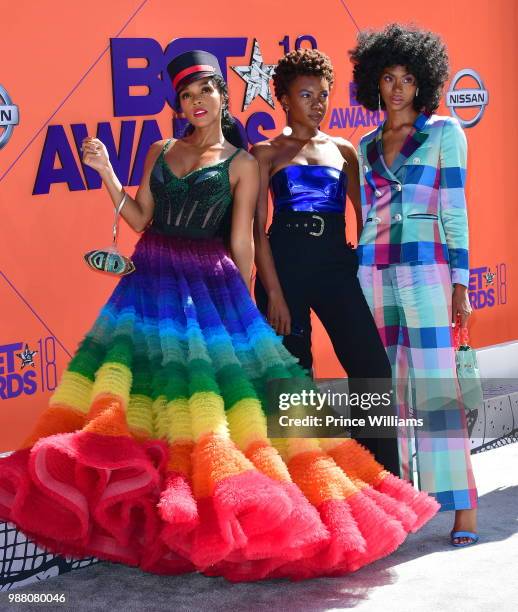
(304,62)
(423,54)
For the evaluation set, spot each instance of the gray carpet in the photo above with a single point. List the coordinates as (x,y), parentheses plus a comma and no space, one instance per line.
(425,574)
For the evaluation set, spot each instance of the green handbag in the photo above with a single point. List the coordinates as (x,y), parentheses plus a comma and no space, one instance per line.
(468,373)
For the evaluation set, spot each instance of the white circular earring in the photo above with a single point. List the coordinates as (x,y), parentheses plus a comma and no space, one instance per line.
(286,130)
(416,92)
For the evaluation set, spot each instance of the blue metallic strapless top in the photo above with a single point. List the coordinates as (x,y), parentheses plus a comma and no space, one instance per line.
(311,188)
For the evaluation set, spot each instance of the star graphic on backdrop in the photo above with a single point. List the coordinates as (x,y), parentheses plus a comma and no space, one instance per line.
(489,276)
(27,356)
(257,78)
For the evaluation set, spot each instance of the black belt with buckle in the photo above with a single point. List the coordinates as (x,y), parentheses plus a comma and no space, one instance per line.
(311,224)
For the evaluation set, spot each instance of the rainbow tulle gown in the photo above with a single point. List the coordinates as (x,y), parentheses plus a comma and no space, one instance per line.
(153,451)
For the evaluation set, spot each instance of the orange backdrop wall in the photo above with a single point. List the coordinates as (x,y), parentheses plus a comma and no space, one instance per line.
(76,68)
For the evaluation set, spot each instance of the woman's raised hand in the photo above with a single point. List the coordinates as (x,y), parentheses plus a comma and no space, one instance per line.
(95,154)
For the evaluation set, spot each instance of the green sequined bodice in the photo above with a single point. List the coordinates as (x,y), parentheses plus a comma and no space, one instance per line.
(196,205)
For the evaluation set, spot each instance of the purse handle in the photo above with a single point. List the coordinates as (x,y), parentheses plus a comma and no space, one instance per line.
(116,219)
(460,334)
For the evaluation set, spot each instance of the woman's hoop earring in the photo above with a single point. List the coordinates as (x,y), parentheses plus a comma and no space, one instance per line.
(416,92)
(379,101)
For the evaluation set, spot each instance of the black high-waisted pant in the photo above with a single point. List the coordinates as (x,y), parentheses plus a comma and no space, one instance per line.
(319,273)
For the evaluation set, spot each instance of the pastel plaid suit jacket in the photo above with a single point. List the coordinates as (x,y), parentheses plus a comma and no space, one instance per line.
(415,211)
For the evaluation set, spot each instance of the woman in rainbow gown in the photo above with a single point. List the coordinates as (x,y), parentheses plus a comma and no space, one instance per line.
(153,451)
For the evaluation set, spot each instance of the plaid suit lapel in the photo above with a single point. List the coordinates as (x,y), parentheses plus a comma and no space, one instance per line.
(374,151)
(412,143)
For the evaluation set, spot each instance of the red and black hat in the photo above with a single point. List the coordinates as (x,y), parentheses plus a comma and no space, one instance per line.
(191,66)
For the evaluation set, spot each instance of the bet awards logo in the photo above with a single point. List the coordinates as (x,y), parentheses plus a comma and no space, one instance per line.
(8,117)
(26,367)
(17,373)
(354,115)
(488,286)
(467,97)
(134,125)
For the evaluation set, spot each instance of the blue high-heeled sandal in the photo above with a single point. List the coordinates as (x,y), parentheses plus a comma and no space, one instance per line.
(464,534)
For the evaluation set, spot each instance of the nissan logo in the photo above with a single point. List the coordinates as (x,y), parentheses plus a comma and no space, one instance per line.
(472,98)
(8,117)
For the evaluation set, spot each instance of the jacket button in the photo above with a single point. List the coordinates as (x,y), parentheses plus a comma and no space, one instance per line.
(416,160)
(397,217)
(378,193)
(377,220)
(365,169)
(398,187)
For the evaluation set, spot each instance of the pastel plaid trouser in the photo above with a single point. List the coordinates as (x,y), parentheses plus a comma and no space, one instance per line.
(411,304)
